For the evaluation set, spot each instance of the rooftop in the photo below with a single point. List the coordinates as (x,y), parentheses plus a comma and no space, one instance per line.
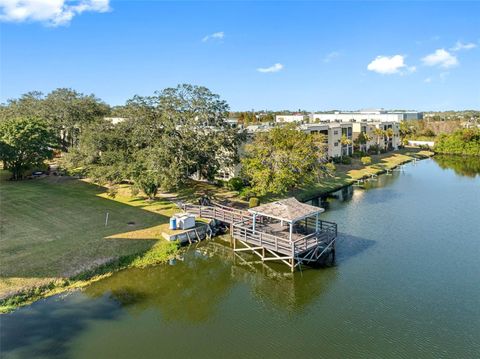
(288,210)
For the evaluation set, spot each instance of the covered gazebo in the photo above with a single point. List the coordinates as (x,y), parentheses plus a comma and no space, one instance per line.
(285,218)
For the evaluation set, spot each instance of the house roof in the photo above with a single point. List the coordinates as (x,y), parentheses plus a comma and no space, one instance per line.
(289,210)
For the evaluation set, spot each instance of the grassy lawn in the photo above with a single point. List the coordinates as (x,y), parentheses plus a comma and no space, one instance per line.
(55,228)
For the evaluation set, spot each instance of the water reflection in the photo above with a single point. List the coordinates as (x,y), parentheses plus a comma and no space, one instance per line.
(188,291)
(192,289)
(354,192)
(468,166)
(46,328)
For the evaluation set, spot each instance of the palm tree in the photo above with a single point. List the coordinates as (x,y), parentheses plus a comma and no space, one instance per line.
(363,139)
(379,134)
(389,133)
(345,142)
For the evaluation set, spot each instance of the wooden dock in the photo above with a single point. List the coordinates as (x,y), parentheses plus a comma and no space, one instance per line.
(294,240)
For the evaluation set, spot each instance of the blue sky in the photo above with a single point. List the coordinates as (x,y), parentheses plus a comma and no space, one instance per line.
(256,55)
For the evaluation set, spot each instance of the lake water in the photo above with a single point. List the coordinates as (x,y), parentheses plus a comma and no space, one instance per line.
(405,284)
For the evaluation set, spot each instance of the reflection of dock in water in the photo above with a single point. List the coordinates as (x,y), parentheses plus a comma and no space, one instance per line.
(271,282)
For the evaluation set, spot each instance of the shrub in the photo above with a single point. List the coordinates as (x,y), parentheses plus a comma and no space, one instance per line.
(253,202)
(366,160)
(428,133)
(330,167)
(219,183)
(373,149)
(235,184)
(461,142)
(358,154)
(346,160)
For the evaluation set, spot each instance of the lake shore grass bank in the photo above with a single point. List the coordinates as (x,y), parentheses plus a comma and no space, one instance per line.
(55,236)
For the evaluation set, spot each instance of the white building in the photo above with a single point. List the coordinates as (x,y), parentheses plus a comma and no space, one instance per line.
(333,134)
(384,142)
(366,115)
(289,118)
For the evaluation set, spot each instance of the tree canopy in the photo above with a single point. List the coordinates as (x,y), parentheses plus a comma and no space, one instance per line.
(283,158)
(65,110)
(164,140)
(461,142)
(24,144)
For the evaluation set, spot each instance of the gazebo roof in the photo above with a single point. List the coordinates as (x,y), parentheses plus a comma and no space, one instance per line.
(288,210)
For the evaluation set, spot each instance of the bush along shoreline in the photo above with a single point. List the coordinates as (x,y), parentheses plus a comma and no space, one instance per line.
(465,142)
(160,253)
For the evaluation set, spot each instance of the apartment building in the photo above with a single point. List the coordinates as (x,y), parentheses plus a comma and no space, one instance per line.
(333,134)
(368,128)
(290,118)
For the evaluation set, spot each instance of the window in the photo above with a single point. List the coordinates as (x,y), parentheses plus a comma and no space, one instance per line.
(335,132)
(336,144)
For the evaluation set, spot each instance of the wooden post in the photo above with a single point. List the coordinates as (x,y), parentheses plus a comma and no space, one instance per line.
(291,230)
(253,224)
(316,222)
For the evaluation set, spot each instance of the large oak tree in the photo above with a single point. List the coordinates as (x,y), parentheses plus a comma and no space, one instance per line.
(282,159)
(24,144)
(164,140)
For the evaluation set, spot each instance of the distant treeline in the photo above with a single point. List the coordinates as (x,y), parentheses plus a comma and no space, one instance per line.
(465,115)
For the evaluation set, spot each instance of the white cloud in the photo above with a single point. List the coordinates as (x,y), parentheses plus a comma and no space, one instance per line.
(461,46)
(215,36)
(331,56)
(442,58)
(428,80)
(49,12)
(386,65)
(274,68)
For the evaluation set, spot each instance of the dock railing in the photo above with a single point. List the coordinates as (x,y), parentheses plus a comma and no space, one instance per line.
(243,231)
(317,236)
(219,212)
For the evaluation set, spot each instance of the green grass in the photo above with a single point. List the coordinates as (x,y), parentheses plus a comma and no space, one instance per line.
(54,228)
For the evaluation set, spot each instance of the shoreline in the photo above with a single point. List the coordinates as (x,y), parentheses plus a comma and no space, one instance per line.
(163,251)
(347,175)
(144,259)
(366,176)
